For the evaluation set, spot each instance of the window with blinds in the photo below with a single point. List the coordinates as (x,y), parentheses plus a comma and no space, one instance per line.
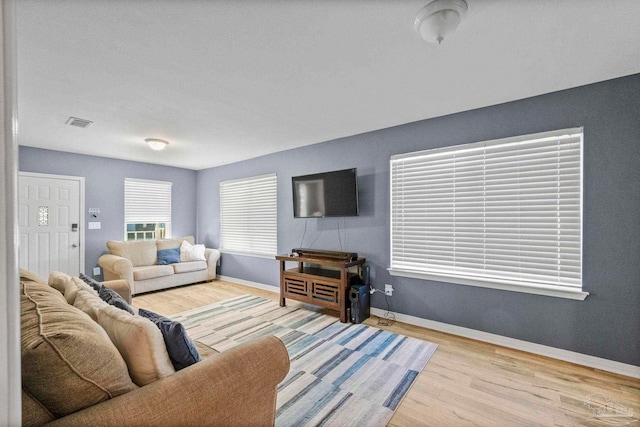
(147,209)
(504,214)
(249,216)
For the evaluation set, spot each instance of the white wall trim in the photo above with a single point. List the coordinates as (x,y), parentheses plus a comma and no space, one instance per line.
(546,290)
(10,378)
(275,289)
(529,347)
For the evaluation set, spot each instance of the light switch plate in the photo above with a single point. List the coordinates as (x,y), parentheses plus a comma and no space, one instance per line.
(94,226)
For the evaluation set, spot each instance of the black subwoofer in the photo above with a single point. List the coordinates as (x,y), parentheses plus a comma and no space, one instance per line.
(359,298)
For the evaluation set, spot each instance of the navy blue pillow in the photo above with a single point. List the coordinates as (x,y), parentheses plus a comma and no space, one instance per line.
(112,297)
(181,349)
(168,256)
(91,282)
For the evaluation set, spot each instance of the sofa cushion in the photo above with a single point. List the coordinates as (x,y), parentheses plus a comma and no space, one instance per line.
(185,267)
(152,271)
(68,285)
(140,343)
(89,303)
(168,256)
(33,413)
(68,361)
(139,252)
(182,351)
(111,297)
(189,252)
(174,242)
(28,276)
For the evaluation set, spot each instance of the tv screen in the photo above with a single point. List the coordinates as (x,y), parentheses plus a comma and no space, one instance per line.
(325,194)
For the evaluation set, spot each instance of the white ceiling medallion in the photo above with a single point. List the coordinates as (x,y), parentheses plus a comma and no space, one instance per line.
(439,19)
(157,144)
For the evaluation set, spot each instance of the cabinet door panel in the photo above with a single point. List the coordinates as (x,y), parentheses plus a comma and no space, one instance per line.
(295,286)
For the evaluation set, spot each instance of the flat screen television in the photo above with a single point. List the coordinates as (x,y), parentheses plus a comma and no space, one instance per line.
(327,194)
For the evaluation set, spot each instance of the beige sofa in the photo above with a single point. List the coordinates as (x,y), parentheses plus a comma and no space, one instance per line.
(136,262)
(77,373)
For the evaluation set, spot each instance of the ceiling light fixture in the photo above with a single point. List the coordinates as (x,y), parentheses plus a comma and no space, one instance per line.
(439,19)
(157,144)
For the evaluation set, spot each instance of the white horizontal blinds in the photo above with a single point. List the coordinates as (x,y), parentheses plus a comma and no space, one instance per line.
(506,210)
(146,201)
(248,215)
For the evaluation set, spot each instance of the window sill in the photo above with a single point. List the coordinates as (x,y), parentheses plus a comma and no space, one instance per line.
(546,290)
(254,255)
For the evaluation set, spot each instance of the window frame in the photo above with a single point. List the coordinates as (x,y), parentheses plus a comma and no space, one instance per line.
(141,208)
(447,274)
(254,200)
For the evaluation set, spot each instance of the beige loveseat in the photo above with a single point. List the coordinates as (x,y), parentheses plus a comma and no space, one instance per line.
(78,371)
(136,261)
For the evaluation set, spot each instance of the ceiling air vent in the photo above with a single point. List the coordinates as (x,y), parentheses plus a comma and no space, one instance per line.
(79,123)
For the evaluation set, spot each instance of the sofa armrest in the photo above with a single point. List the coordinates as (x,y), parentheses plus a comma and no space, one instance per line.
(234,388)
(121,286)
(212,256)
(116,268)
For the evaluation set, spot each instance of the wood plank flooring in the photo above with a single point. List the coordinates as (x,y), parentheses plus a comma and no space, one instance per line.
(466,382)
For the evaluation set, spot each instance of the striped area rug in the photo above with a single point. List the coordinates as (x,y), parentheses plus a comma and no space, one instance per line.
(341,374)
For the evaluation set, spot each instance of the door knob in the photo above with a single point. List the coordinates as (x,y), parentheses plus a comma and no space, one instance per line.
(74,246)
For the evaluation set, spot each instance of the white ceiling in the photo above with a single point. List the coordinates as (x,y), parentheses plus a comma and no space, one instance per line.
(225,81)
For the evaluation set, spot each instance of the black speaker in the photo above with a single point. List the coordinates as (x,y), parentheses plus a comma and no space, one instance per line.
(359,298)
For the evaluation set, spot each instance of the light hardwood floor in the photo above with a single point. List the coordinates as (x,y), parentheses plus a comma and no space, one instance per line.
(466,382)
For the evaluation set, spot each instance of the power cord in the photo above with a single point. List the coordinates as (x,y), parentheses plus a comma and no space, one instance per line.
(388,318)
(304,233)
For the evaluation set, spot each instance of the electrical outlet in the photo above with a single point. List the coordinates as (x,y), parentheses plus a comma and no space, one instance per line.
(96,271)
(388,290)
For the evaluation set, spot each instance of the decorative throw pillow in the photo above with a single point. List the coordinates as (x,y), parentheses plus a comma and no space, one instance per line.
(174,242)
(68,361)
(113,298)
(189,252)
(139,342)
(91,282)
(89,303)
(182,351)
(168,256)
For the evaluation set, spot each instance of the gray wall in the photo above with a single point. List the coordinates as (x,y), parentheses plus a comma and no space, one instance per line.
(104,189)
(606,324)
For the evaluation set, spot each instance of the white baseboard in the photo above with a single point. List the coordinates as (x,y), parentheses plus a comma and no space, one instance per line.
(262,286)
(539,349)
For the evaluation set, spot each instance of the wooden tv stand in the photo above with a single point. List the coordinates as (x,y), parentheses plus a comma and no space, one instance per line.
(323,281)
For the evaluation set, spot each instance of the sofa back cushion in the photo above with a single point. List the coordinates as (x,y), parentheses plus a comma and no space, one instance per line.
(68,361)
(33,413)
(30,277)
(139,252)
(68,286)
(89,303)
(174,243)
(140,343)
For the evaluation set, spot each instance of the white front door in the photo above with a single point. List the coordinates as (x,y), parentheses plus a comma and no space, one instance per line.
(51,223)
